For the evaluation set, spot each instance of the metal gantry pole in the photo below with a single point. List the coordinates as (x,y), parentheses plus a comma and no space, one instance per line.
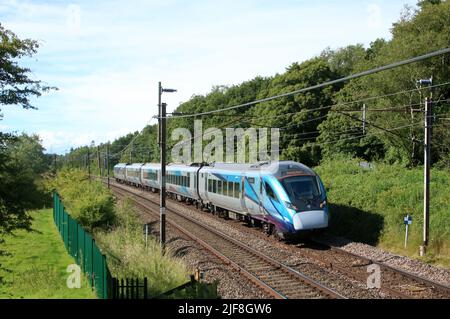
(162,148)
(89,164)
(99,162)
(364,119)
(107,162)
(426,175)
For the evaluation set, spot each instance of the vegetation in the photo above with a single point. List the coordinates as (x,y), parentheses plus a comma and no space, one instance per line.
(37,263)
(88,202)
(21,157)
(128,256)
(368,205)
(323,125)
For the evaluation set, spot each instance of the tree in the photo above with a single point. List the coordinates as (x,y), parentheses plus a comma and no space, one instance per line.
(15,83)
(21,158)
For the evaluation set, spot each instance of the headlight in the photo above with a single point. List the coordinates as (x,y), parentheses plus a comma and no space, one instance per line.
(291,206)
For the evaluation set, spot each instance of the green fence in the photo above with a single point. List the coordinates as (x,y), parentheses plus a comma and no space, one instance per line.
(82,247)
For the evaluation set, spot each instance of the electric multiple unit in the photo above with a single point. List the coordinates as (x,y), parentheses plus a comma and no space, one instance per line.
(284,197)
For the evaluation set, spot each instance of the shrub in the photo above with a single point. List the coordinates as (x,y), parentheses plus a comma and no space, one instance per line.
(128,256)
(88,201)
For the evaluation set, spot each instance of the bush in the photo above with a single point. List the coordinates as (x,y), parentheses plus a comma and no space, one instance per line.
(368,205)
(128,256)
(88,202)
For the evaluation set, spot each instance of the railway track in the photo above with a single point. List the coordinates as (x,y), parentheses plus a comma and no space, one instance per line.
(395,282)
(274,277)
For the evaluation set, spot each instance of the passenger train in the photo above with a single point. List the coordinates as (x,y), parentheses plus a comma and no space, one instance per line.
(284,198)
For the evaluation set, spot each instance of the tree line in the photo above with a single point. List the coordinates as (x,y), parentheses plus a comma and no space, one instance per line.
(328,122)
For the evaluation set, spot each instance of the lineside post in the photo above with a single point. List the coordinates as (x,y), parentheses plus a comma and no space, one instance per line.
(426,174)
(107,162)
(162,148)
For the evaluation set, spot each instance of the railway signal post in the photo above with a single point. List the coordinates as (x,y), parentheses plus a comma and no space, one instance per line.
(162,146)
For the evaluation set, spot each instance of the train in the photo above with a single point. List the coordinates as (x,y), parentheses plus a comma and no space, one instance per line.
(284,198)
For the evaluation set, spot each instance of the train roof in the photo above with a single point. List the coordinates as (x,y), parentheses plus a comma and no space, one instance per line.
(280,168)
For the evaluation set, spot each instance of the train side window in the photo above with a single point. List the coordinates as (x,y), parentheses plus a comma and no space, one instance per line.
(224,188)
(236,190)
(209,185)
(214,189)
(270,192)
(219,187)
(230,189)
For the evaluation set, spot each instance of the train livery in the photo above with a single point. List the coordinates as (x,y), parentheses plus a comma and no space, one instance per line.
(284,198)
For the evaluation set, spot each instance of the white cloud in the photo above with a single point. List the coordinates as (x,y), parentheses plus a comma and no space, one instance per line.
(107,57)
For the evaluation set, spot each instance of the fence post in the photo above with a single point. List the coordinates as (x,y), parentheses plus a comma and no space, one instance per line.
(137,288)
(145,287)
(92,263)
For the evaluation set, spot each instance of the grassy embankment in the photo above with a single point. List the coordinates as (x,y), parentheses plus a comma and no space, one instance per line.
(368,205)
(118,233)
(37,265)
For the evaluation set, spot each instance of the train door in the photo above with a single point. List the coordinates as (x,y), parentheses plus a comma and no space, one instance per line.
(261,197)
(250,192)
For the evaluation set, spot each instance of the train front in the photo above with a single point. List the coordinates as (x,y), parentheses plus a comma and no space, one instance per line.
(307,203)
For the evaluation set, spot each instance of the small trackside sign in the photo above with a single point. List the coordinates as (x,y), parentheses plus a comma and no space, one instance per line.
(407,220)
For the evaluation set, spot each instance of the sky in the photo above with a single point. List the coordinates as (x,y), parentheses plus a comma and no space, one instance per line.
(106,57)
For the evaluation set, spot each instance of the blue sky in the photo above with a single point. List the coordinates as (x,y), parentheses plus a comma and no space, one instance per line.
(106,57)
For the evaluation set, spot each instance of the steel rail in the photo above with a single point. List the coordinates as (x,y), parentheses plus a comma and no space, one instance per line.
(304,279)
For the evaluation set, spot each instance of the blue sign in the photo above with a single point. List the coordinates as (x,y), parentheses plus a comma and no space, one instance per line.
(407,220)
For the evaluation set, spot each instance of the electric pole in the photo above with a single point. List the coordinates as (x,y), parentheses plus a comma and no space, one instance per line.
(107,161)
(98,160)
(162,148)
(426,167)
(131,153)
(364,119)
(89,164)
(162,210)
(426,176)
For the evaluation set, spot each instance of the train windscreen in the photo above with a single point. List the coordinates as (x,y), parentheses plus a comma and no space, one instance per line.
(303,191)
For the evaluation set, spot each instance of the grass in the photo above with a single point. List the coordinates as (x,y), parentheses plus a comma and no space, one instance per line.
(36,267)
(368,205)
(128,256)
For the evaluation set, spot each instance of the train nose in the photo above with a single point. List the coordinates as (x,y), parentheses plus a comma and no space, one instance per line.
(310,220)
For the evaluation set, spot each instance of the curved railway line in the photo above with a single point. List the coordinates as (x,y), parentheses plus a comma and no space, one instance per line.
(281,280)
(274,277)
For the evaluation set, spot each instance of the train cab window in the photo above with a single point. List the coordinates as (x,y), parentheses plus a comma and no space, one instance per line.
(270,192)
